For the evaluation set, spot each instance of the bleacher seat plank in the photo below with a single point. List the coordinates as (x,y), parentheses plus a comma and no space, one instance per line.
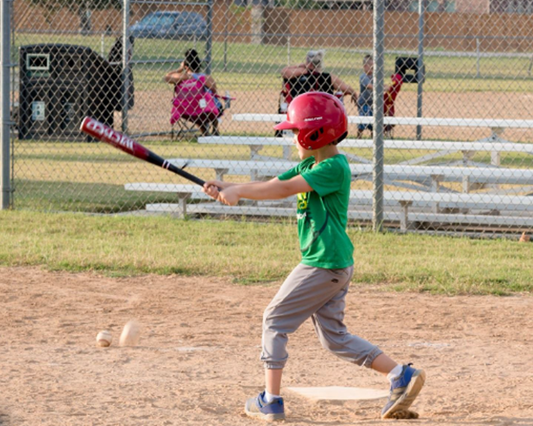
(459,219)
(415,173)
(392,198)
(195,191)
(369,144)
(407,121)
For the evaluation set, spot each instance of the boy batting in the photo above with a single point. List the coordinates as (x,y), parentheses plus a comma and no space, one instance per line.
(317,287)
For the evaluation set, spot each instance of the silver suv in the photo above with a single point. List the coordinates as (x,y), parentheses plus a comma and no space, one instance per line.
(171,25)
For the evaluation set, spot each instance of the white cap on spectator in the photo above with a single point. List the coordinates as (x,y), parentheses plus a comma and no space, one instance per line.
(316,57)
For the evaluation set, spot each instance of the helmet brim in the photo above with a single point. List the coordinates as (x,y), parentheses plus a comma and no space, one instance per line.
(285,125)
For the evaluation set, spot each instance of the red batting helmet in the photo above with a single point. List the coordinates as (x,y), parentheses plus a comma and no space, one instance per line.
(319,117)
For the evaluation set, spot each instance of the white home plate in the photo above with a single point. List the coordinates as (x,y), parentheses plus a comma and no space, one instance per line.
(340,393)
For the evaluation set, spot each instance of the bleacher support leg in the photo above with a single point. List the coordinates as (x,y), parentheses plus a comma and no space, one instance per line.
(220,173)
(182,202)
(404,218)
(435,184)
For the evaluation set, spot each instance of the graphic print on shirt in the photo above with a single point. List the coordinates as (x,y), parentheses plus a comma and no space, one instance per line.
(304,214)
(302,202)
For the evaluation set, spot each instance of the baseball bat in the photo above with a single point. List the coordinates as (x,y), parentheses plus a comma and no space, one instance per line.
(110,136)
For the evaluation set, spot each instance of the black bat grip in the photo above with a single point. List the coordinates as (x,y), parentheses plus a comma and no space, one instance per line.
(156,159)
(159,161)
(186,175)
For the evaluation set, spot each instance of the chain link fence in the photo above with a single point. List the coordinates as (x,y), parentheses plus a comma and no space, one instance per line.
(458,127)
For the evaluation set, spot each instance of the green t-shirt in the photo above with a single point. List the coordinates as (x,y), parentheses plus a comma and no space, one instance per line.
(323,213)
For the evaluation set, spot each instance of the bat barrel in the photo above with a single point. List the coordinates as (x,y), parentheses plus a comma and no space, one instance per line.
(108,135)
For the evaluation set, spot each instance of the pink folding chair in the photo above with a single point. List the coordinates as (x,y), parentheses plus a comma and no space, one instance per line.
(194,105)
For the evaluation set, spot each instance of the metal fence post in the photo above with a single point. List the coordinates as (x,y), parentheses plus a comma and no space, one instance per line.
(125,64)
(226,8)
(209,41)
(378,160)
(288,50)
(420,64)
(5,67)
(478,71)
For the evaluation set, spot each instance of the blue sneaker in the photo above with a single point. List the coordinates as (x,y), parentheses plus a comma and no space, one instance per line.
(403,391)
(257,407)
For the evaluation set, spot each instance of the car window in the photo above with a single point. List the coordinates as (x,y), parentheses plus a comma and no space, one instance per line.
(166,20)
(180,20)
(198,18)
(148,20)
(157,19)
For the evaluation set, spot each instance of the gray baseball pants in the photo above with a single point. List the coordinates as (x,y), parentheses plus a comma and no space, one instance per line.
(320,294)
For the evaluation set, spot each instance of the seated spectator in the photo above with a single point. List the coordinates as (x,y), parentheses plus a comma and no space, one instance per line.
(309,77)
(195,95)
(366,97)
(389,99)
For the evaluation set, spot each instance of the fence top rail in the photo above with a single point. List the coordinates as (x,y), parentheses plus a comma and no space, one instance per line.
(369,143)
(391,35)
(407,121)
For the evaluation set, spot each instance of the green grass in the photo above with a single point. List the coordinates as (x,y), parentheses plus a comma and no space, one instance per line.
(65,176)
(83,197)
(51,151)
(257,252)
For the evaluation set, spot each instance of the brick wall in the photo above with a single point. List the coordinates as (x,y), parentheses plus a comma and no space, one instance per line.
(455,31)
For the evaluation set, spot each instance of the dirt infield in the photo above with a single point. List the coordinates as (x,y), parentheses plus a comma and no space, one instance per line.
(200,340)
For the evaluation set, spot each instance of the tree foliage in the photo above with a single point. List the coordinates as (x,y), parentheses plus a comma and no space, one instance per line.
(81,7)
(75,5)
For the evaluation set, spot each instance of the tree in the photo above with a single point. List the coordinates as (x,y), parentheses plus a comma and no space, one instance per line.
(82,8)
